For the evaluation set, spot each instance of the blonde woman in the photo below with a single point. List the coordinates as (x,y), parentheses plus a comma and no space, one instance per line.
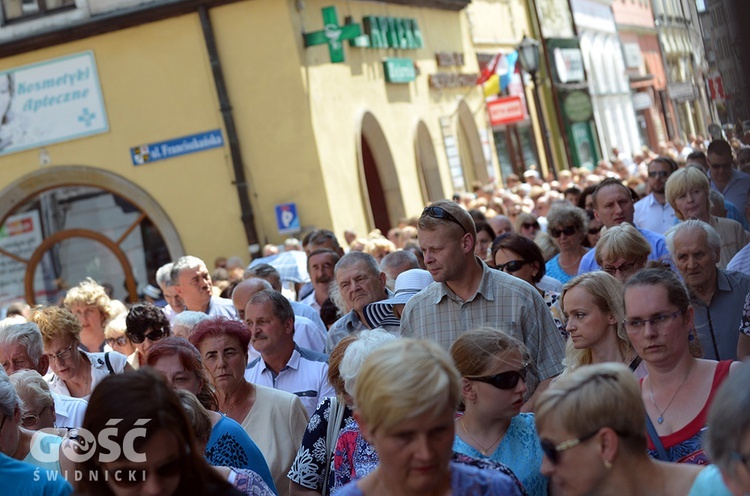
(592,306)
(90,304)
(622,251)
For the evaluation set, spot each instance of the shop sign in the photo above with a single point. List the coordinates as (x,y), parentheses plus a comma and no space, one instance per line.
(569,65)
(399,70)
(633,57)
(333,34)
(449,59)
(681,92)
(194,143)
(287,219)
(506,110)
(50,102)
(443,80)
(577,106)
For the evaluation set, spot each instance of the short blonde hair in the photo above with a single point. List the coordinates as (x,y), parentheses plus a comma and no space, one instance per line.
(32,390)
(116,327)
(593,397)
(623,241)
(55,322)
(405,379)
(89,293)
(684,180)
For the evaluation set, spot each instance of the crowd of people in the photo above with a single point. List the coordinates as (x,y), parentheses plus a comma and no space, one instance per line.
(464,352)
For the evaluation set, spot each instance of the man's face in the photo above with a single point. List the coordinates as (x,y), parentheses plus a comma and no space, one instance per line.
(614,206)
(444,254)
(721,168)
(321,271)
(694,258)
(658,173)
(194,287)
(174,300)
(359,286)
(269,333)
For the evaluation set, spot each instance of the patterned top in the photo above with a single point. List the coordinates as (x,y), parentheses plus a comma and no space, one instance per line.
(466,480)
(553,269)
(308,469)
(553,303)
(684,445)
(519,450)
(501,301)
(250,483)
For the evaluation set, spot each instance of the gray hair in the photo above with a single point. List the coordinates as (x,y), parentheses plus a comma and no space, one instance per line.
(281,306)
(184,322)
(365,343)
(355,257)
(399,258)
(32,390)
(164,276)
(182,263)
(712,237)
(28,335)
(265,271)
(729,418)
(8,398)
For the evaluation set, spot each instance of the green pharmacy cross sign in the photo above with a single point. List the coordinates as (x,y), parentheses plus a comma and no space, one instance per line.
(333,34)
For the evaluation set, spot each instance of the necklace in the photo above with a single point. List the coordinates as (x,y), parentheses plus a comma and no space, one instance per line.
(660,419)
(240,397)
(484,451)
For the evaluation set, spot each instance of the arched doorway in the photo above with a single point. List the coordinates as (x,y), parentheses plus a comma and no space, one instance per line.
(470,147)
(427,166)
(63,224)
(378,177)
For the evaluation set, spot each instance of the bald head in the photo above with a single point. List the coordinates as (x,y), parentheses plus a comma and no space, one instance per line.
(244,291)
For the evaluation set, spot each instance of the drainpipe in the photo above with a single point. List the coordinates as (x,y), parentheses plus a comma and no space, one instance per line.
(248,217)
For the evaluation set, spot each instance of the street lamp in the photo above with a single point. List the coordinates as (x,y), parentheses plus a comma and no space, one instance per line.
(528,55)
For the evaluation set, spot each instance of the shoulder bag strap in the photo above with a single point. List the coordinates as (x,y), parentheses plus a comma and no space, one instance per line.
(109,364)
(661,453)
(335,416)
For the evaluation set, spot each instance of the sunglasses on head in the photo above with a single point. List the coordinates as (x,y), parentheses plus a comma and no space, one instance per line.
(152,336)
(512,266)
(552,451)
(568,231)
(130,477)
(504,380)
(443,214)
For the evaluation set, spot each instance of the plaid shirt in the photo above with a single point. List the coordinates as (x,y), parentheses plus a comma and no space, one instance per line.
(502,302)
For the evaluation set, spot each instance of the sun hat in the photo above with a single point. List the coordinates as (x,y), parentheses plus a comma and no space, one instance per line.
(408,283)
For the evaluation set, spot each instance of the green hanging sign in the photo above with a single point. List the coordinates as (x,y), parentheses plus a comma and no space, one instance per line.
(333,34)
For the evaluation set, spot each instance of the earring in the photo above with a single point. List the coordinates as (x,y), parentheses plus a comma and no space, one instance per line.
(607,464)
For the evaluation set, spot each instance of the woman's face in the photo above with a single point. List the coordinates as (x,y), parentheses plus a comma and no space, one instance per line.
(528,229)
(526,271)
(64,357)
(693,204)
(587,324)
(414,455)
(177,376)
(89,316)
(224,359)
(158,475)
(568,237)
(622,269)
(482,248)
(664,341)
(38,417)
(594,232)
(122,344)
(496,402)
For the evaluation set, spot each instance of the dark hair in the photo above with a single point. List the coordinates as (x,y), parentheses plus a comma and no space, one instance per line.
(719,147)
(329,312)
(477,216)
(677,293)
(217,326)
(666,160)
(610,181)
(335,256)
(587,191)
(524,247)
(132,397)
(191,359)
(321,236)
(573,190)
(696,155)
(144,316)
(266,272)
(281,306)
(484,226)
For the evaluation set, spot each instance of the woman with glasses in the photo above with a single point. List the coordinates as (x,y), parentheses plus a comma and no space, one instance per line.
(622,251)
(74,372)
(687,191)
(566,225)
(493,368)
(592,306)
(117,339)
(679,388)
(34,399)
(145,325)
(593,233)
(527,225)
(160,459)
(522,258)
(592,424)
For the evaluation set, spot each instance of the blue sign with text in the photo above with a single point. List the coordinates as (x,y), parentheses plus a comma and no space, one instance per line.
(287,220)
(194,143)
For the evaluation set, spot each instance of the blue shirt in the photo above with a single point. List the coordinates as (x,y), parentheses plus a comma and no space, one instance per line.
(736,190)
(22,479)
(307,311)
(553,269)
(659,252)
(221,306)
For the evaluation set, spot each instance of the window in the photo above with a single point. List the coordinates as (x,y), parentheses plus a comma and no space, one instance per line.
(23,9)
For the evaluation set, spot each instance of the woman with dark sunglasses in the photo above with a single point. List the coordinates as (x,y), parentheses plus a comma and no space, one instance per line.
(493,368)
(567,226)
(146,324)
(592,425)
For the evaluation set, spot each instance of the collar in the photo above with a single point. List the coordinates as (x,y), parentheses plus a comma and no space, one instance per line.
(485,288)
(292,363)
(722,281)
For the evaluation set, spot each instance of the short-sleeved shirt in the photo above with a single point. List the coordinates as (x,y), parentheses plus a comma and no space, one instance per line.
(221,306)
(346,325)
(652,215)
(308,312)
(659,252)
(69,411)
(503,302)
(99,370)
(741,261)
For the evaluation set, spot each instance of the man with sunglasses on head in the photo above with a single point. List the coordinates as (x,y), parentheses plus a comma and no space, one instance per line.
(613,205)
(725,178)
(467,294)
(654,212)
(146,324)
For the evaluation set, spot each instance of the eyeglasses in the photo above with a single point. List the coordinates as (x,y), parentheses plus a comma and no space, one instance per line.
(512,266)
(656,322)
(441,213)
(623,268)
(534,225)
(658,174)
(594,230)
(152,336)
(63,355)
(130,477)
(30,419)
(552,451)
(568,231)
(121,341)
(504,380)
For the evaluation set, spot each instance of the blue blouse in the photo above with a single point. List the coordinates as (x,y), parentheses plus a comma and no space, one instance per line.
(553,269)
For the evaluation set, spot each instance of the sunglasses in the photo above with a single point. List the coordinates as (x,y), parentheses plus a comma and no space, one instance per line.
(658,174)
(594,230)
(130,477)
(534,225)
(622,269)
(568,231)
(152,336)
(443,214)
(512,266)
(504,380)
(121,341)
(552,451)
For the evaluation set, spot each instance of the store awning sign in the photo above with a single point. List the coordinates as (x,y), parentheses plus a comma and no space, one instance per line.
(333,34)
(163,150)
(506,110)
(399,70)
(50,102)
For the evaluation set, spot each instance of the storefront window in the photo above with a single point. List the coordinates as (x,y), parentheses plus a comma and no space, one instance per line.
(19,9)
